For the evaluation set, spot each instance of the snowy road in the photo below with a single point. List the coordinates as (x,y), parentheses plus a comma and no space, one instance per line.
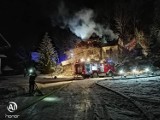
(76,100)
(145,91)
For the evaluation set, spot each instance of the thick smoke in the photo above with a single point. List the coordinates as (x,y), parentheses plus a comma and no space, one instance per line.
(82,23)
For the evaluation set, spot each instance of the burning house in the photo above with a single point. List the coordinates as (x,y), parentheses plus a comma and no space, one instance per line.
(92,50)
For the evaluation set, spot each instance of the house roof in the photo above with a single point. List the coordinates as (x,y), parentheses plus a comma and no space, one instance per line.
(89,43)
(96,43)
(110,43)
(2,56)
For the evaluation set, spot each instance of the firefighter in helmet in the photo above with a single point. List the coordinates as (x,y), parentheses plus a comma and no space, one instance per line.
(32,76)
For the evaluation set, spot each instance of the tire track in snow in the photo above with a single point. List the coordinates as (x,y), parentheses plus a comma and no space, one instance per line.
(100,112)
(136,104)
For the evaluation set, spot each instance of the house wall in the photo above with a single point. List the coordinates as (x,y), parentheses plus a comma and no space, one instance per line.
(85,52)
(110,52)
(94,53)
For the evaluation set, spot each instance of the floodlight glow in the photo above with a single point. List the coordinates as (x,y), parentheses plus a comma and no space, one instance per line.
(101,61)
(30,70)
(88,60)
(51,99)
(121,72)
(134,70)
(82,60)
(71,54)
(147,70)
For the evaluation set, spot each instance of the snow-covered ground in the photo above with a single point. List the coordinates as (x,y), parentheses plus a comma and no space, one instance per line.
(13,86)
(76,101)
(145,91)
(82,99)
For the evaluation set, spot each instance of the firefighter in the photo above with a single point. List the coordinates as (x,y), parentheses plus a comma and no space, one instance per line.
(32,76)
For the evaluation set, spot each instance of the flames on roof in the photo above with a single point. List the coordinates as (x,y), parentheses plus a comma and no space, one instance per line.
(89,43)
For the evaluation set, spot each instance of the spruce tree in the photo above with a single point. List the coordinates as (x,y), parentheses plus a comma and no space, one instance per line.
(48,55)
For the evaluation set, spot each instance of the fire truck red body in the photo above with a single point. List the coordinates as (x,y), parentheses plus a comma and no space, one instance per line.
(94,69)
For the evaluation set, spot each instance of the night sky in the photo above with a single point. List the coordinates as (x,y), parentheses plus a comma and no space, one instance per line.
(24,22)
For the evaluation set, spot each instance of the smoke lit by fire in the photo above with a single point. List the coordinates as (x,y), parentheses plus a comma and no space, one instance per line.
(82,23)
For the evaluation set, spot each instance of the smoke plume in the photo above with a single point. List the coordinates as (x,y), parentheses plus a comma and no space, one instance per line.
(82,23)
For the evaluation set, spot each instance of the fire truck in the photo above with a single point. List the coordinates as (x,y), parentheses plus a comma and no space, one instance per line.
(94,69)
